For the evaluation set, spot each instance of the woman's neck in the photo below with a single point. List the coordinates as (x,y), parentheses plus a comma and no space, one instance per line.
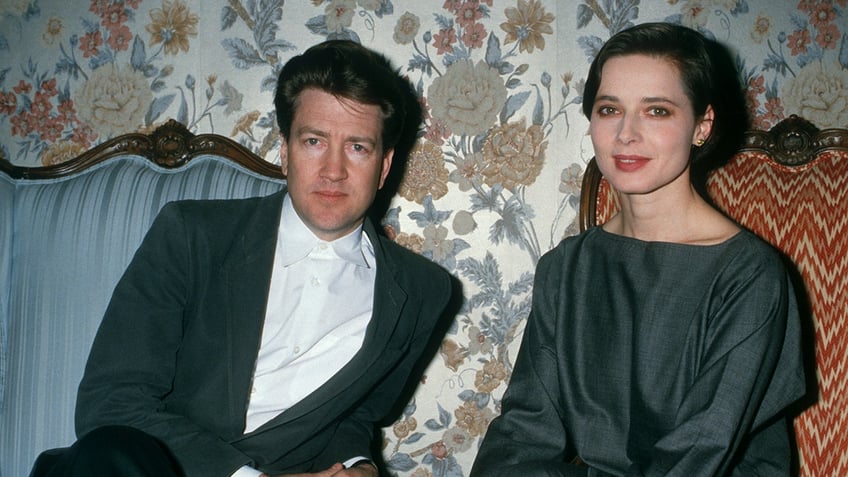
(671,216)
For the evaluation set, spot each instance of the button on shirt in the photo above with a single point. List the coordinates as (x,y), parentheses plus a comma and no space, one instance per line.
(319,306)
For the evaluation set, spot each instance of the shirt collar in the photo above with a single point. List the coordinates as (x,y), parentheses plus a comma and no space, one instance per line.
(296,241)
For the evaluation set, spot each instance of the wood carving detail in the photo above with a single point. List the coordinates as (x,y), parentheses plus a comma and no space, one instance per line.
(170,146)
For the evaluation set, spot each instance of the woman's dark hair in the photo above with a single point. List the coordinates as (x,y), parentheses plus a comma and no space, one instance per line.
(347,70)
(709,77)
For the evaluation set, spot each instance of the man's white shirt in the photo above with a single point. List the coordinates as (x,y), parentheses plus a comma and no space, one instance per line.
(319,306)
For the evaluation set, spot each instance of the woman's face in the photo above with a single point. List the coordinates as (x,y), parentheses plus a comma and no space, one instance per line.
(643,125)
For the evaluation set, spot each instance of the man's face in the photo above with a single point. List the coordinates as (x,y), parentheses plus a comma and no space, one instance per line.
(334,162)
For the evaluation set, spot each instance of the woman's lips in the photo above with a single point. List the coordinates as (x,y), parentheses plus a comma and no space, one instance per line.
(629,163)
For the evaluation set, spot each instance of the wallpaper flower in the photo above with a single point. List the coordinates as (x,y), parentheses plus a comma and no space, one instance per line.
(494,179)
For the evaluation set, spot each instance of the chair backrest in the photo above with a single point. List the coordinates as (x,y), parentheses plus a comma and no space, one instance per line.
(789,185)
(66,234)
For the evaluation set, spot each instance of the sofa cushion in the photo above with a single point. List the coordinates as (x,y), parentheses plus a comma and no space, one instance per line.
(71,239)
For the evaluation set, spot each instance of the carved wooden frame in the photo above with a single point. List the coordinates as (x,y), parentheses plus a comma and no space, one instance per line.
(170,146)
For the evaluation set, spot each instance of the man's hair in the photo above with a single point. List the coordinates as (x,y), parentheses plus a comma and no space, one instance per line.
(346,70)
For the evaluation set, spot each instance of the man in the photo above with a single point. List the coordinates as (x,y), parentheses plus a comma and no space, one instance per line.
(268,336)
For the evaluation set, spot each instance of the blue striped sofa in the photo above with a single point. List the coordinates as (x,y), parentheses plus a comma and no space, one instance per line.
(66,234)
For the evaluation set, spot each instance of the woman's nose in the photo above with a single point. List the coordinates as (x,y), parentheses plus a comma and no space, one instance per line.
(628,130)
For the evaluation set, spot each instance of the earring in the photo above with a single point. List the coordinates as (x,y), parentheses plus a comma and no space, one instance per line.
(699,142)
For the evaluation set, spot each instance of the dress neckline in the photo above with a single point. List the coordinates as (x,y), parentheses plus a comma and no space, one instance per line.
(633,240)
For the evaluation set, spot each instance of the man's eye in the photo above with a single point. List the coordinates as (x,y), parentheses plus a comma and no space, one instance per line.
(312,141)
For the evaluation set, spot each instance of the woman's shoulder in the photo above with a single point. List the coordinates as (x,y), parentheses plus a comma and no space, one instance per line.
(574,242)
(748,248)
(573,247)
(746,265)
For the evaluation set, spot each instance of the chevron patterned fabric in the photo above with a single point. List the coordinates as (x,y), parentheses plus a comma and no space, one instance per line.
(802,210)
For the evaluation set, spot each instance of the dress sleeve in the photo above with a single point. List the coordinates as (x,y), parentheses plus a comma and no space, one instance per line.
(731,417)
(132,363)
(529,439)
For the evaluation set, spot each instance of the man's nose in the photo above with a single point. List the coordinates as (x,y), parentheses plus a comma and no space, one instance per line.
(335,164)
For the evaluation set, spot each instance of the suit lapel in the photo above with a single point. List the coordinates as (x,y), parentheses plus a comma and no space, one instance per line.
(246,279)
(389,298)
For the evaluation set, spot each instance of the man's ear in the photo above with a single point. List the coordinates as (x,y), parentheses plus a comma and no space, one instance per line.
(386,167)
(284,155)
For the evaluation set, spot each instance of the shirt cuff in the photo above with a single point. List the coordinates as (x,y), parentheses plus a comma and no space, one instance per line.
(246,471)
(354,461)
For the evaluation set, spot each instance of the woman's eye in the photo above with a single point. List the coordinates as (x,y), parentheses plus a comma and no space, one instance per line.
(606,110)
(659,112)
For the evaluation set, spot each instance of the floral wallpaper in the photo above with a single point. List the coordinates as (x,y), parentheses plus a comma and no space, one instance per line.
(494,180)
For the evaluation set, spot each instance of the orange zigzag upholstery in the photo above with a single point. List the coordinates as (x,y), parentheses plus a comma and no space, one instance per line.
(789,185)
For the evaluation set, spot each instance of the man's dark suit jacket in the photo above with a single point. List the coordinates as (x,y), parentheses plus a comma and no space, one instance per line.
(175,353)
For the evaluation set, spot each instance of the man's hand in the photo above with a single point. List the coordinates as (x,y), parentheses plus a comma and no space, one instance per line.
(338,470)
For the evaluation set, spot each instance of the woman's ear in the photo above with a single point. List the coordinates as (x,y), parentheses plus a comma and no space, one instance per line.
(704,127)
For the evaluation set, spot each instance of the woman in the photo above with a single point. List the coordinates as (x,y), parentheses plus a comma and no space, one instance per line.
(665,342)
